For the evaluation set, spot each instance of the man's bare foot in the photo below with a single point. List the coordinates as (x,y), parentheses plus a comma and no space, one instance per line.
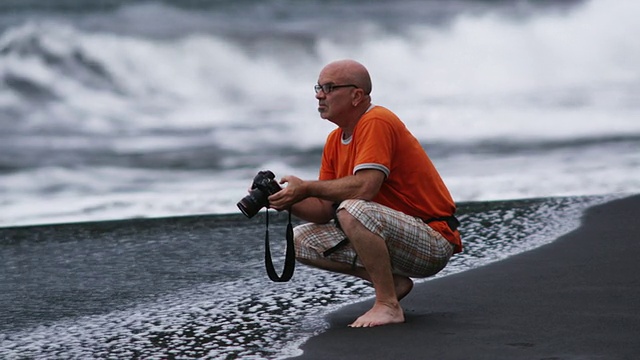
(403,286)
(380,314)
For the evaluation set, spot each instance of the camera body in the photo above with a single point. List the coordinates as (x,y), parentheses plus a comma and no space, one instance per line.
(264,185)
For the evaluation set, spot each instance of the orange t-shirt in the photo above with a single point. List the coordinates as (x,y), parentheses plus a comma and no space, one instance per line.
(413,186)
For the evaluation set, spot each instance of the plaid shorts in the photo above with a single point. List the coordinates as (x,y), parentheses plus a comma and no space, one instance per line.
(416,250)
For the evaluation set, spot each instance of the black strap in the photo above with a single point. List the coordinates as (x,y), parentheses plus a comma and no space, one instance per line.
(290,255)
(342,242)
(336,247)
(452,221)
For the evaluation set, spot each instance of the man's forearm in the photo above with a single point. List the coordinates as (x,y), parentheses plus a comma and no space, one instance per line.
(313,200)
(360,186)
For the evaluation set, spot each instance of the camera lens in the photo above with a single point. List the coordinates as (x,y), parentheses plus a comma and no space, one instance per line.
(252,203)
(246,208)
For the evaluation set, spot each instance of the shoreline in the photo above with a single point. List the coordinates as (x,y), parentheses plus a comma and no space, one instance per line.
(172,274)
(571,298)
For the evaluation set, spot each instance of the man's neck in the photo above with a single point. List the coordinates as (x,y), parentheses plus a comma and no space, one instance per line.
(347,130)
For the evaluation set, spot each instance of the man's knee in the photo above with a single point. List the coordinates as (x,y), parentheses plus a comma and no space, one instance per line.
(345,219)
(352,212)
(346,210)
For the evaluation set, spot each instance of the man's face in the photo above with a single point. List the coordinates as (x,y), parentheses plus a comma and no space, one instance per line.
(337,100)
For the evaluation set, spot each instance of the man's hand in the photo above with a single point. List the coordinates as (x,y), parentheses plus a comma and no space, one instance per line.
(289,195)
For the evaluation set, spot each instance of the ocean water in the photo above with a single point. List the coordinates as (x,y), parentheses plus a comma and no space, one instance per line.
(122,110)
(196,288)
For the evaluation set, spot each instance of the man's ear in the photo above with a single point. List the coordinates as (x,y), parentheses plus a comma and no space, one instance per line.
(357,97)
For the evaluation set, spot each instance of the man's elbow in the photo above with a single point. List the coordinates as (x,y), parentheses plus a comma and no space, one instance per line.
(369,184)
(367,193)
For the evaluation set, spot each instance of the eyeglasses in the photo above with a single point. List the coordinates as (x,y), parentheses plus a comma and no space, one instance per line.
(327,88)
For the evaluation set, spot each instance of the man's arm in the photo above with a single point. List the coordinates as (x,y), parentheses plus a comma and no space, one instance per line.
(313,200)
(364,185)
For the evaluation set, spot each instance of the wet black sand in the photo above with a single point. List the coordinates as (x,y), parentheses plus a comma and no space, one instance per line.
(576,298)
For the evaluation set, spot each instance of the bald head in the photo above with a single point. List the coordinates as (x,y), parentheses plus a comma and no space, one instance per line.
(350,72)
(347,96)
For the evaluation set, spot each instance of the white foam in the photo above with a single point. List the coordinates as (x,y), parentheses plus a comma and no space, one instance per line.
(553,76)
(244,318)
(481,72)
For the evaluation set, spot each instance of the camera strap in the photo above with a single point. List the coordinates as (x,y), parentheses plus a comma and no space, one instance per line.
(290,254)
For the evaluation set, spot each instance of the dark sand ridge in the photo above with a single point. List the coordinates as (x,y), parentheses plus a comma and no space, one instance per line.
(576,298)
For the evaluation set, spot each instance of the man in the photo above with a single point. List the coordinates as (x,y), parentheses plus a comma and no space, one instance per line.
(393,213)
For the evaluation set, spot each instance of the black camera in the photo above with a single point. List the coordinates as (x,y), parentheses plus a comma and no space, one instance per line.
(263,186)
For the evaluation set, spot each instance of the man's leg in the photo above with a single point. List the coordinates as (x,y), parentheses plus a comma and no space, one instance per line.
(402,284)
(373,229)
(374,256)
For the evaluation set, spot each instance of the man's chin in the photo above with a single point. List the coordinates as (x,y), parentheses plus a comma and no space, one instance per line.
(323,112)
